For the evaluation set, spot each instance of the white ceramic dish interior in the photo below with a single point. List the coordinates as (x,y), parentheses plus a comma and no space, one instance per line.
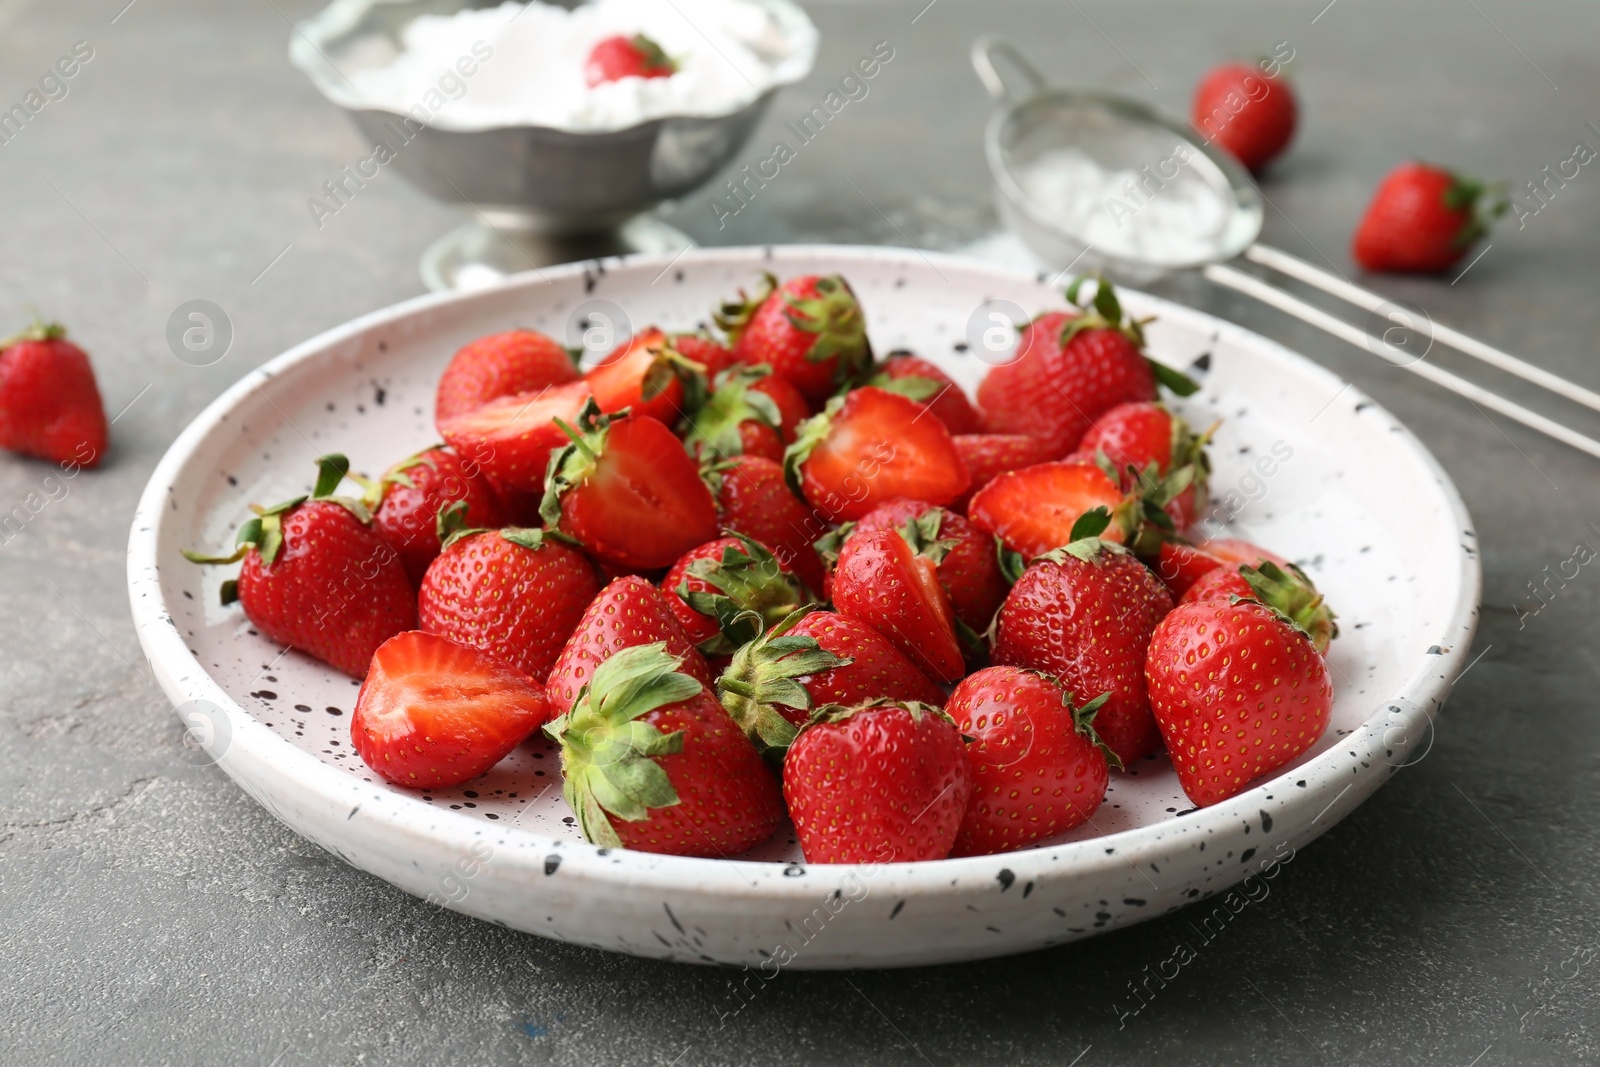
(1351,495)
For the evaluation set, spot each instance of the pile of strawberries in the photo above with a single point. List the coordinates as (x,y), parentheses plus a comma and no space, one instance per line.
(768,574)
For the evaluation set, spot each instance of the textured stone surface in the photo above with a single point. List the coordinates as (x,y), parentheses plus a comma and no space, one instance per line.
(151,913)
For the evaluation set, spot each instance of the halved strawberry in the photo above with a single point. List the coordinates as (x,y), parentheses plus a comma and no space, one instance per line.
(916,378)
(870,446)
(1034,510)
(510,439)
(880,581)
(625,489)
(987,455)
(968,566)
(645,376)
(433,713)
(499,365)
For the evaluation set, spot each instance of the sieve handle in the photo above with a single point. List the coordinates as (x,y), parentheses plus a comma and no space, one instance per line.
(988,48)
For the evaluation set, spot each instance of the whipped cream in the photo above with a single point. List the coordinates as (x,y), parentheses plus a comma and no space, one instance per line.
(526,63)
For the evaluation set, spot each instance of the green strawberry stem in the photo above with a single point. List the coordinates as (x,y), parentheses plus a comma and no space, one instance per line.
(734,316)
(38,330)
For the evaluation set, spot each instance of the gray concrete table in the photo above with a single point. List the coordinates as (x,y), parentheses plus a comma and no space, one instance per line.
(151,913)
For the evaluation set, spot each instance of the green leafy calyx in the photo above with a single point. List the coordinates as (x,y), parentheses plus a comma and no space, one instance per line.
(1293,596)
(834,317)
(714,429)
(571,465)
(608,757)
(765,674)
(751,592)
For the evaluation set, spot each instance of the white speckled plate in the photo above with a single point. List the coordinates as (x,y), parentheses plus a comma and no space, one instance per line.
(1305,465)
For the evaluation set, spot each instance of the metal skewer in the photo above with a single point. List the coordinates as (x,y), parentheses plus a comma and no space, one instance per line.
(1322,320)
(1367,300)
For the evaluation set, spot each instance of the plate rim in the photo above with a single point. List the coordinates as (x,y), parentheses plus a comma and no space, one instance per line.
(248,742)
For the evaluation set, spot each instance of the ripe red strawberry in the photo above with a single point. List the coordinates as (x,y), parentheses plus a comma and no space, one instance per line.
(1034,510)
(626,490)
(728,591)
(870,446)
(510,439)
(987,455)
(1285,589)
(809,330)
(968,566)
(754,499)
(407,500)
(499,365)
(886,585)
(645,376)
(316,577)
(49,402)
(810,659)
(1150,439)
(1180,564)
(1071,368)
(627,613)
(1038,768)
(1241,109)
(433,714)
(916,378)
(883,782)
(650,761)
(618,57)
(516,594)
(1238,690)
(751,412)
(1422,219)
(1085,614)
(699,348)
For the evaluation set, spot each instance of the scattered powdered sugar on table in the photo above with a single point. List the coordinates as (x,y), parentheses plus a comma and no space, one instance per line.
(1162,213)
(729,52)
